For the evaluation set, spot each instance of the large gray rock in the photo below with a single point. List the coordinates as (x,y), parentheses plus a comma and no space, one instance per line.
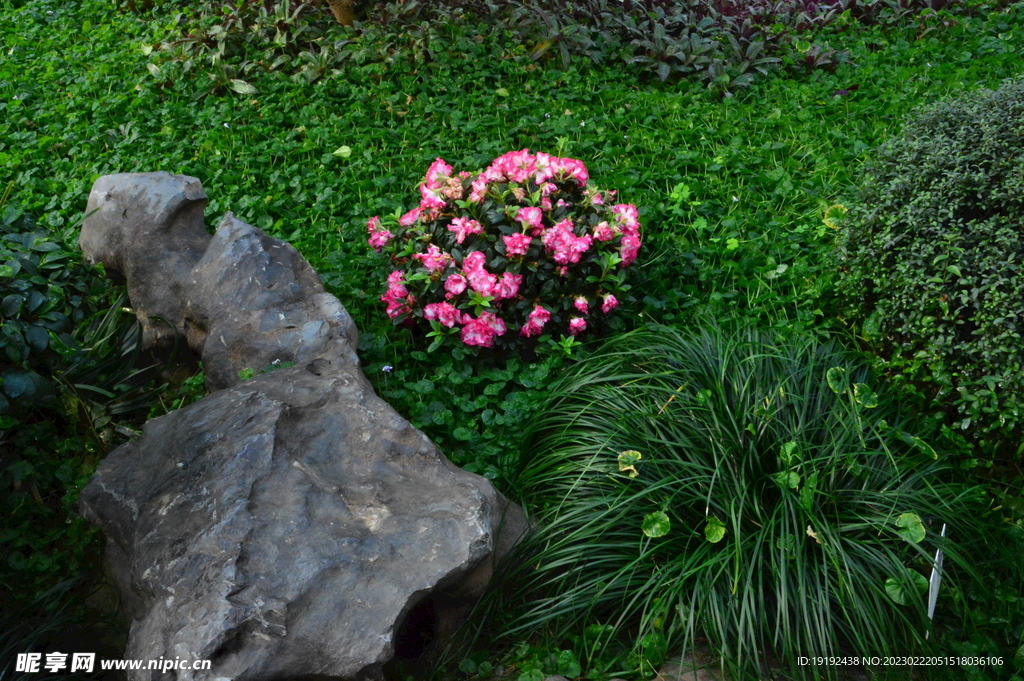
(290,525)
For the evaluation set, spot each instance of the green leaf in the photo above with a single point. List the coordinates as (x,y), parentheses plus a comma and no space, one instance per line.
(463,434)
(953,269)
(11,305)
(343,151)
(656,524)
(923,446)
(864,396)
(714,532)
(568,665)
(836,377)
(897,591)
(787,479)
(242,87)
(627,462)
(911,529)
(246,374)
(789,454)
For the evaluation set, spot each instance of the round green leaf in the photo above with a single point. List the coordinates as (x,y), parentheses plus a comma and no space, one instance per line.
(836,377)
(714,532)
(656,524)
(898,592)
(864,396)
(910,527)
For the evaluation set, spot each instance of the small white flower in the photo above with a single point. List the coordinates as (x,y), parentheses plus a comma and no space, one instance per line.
(225,125)
(735,199)
(582,123)
(547,115)
(388,369)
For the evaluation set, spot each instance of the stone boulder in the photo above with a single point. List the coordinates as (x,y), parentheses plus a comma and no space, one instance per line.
(287,526)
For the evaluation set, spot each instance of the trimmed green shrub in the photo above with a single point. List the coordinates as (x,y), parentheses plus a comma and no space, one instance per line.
(932,255)
(744,486)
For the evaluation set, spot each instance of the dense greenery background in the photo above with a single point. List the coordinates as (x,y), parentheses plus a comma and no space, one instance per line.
(306,129)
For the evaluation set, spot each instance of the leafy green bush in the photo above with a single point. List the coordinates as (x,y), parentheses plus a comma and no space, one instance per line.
(932,256)
(72,390)
(744,486)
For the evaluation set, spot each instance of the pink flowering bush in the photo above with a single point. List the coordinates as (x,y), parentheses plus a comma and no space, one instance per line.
(521,250)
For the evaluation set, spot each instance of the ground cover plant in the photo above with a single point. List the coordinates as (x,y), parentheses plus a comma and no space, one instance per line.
(308,129)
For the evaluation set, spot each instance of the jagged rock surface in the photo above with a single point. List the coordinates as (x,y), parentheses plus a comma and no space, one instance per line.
(287,525)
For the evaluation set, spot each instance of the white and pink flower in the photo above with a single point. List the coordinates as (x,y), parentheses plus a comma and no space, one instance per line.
(445,313)
(435,260)
(577,325)
(509,285)
(464,227)
(481,331)
(609,304)
(581,304)
(454,285)
(535,322)
(517,244)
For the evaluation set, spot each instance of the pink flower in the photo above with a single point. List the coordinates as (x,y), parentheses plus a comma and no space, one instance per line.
(463,227)
(483,282)
(628,249)
(517,244)
(482,331)
(570,168)
(410,217)
(596,198)
(530,217)
(609,304)
(397,297)
(581,304)
(435,260)
(565,247)
(535,322)
(396,282)
(396,307)
(508,287)
(438,173)
(380,239)
(577,325)
(454,285)
(431,197)
(474,261)
(604,232)
(479,190)
(627,218)
(445,313)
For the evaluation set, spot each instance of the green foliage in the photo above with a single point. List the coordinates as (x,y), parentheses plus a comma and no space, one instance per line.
(932,256)
(777,510)
(45,291)
(472,407)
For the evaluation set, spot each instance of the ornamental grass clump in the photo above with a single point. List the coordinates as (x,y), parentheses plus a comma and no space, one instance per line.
(522,250)
(741,486)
